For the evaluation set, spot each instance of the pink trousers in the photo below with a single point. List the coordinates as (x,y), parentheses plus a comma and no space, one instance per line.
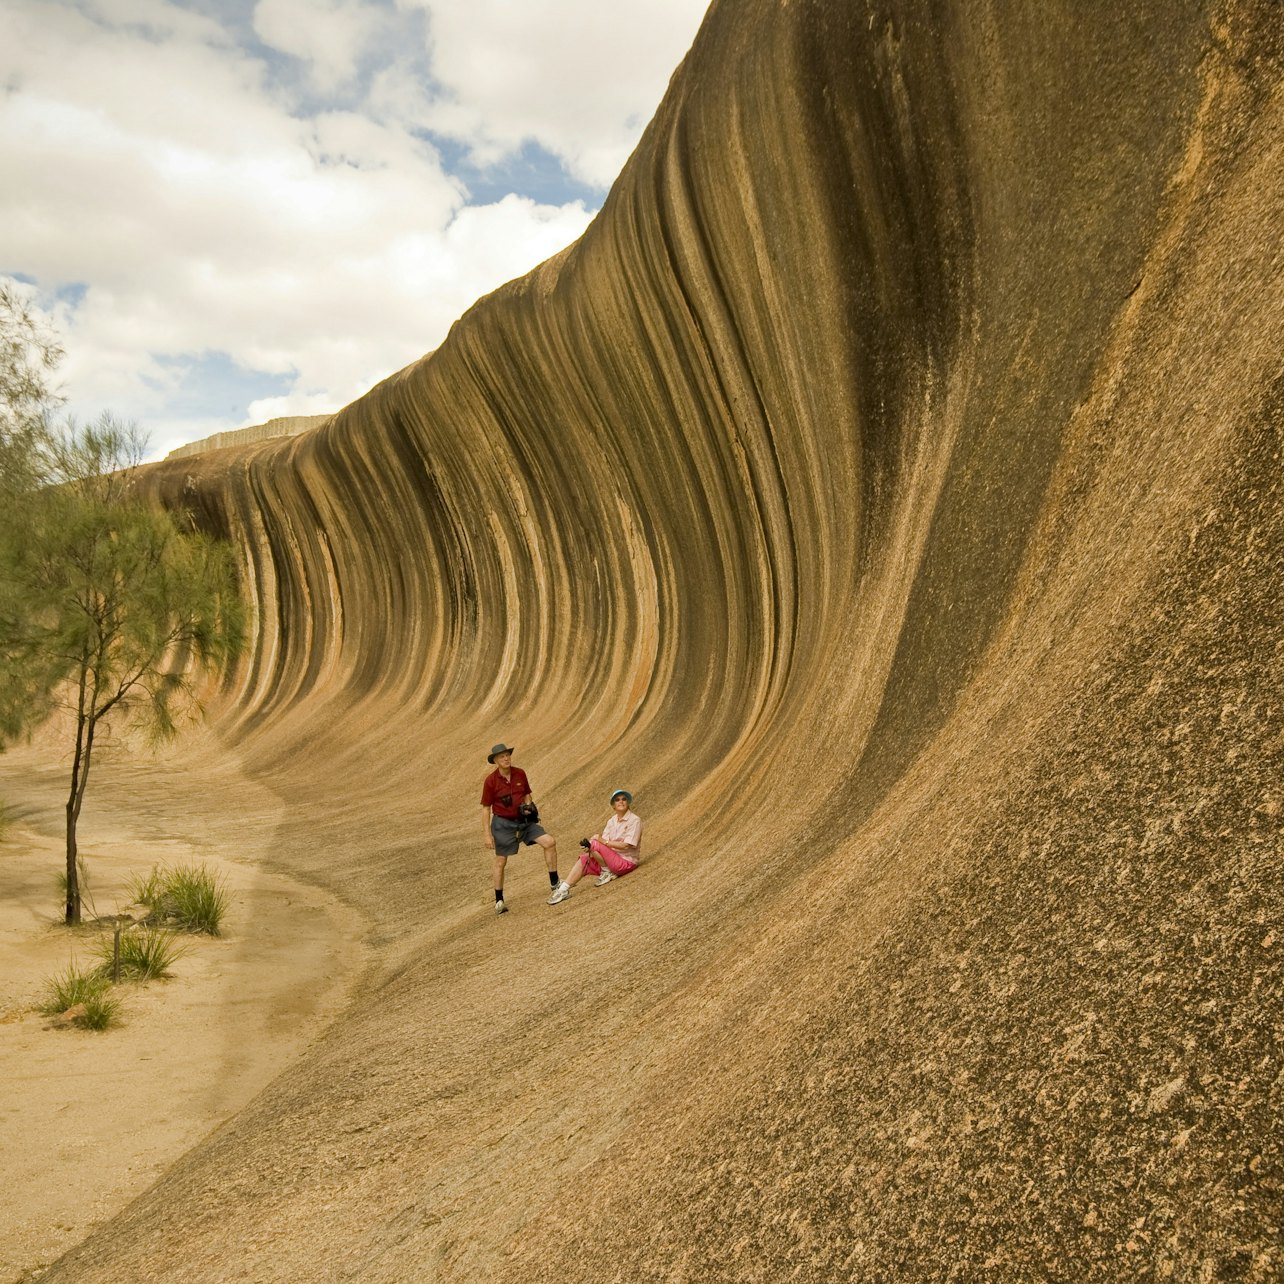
(616,862)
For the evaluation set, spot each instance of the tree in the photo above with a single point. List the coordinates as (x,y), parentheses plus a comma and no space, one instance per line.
(108,605)
(29,354)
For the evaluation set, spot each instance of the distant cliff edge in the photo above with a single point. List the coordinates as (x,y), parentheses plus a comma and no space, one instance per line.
(284,426)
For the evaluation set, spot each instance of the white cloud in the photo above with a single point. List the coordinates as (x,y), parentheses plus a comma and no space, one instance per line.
(171,175)
(578,77)
(330,36)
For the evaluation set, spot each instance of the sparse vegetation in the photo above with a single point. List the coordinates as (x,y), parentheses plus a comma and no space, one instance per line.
(149,890)
(101,1010)
(71,987)
(109,605)
(88,991)
(190,897)
(146,954)
(200,899)
(82,882)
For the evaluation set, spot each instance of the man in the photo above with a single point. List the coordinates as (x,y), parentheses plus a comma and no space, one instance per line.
(505,794)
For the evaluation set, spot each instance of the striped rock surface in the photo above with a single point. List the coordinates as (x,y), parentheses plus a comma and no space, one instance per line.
(887,490)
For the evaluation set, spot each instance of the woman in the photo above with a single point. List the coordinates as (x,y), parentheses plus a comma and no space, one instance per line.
(610,854)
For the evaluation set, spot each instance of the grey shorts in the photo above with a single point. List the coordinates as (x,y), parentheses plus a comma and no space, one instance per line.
(508,834)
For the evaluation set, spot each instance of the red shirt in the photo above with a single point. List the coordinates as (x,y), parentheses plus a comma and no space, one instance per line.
(504,796)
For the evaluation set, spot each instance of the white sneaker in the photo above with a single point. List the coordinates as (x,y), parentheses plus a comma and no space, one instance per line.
(604,877)
(560,893)
(500,907)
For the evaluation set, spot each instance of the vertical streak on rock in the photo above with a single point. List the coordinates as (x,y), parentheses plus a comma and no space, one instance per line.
(783,411)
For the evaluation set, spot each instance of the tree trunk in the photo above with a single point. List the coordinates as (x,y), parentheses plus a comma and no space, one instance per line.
(73,885)
(79,779)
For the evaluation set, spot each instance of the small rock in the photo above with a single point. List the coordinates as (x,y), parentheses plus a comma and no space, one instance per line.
(1164,1096)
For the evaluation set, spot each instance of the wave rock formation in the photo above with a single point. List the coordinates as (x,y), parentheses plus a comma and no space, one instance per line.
(887,488)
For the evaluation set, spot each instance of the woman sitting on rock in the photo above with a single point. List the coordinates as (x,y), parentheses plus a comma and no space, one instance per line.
(610,854)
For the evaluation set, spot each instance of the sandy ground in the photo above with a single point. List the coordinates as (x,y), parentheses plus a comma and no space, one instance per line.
(89,1120)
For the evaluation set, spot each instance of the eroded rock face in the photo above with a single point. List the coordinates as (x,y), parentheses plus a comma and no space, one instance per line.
(887,487)
(286,426)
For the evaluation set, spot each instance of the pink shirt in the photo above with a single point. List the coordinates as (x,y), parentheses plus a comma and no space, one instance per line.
(626,829)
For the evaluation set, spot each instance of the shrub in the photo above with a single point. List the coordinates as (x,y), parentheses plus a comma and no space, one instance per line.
(146,954)
(72,987)
(101,1010)
(189,896)
(150,890)
(199,899)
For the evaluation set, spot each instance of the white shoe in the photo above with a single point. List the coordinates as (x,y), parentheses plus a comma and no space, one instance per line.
(500,907)
(604,877)
(560,893)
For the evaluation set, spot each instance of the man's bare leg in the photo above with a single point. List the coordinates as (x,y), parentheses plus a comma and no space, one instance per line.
(549,844)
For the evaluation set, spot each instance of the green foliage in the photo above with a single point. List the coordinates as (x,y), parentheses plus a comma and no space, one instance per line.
(109,605)
(92,990)
(146,954)
(124,607)
(101,1010)
(29,354)
(189,896)
(72,987)
(199,899)
(149,891)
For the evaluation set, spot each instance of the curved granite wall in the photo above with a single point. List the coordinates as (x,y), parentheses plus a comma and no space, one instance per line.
(887,486)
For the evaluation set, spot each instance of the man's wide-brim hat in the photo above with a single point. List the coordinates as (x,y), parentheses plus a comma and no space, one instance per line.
(496,750)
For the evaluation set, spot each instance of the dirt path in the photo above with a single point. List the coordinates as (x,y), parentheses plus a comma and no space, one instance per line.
(90,1120)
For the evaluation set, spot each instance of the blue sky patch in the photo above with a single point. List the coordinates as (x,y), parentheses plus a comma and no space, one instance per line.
(533,172)
(212,385)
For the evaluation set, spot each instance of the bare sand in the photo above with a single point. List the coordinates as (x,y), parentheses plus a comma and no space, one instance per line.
(89,1120)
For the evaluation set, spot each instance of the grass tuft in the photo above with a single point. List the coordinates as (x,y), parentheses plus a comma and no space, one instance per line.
(199,899)
(148,891)
(89,990)
(146,954)
(72,987)
(101,1010)
(189,896)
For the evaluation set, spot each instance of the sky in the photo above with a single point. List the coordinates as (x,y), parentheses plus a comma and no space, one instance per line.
(233,210)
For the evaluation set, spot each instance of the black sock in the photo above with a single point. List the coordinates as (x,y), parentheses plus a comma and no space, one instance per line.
(553,879)
(499,893)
